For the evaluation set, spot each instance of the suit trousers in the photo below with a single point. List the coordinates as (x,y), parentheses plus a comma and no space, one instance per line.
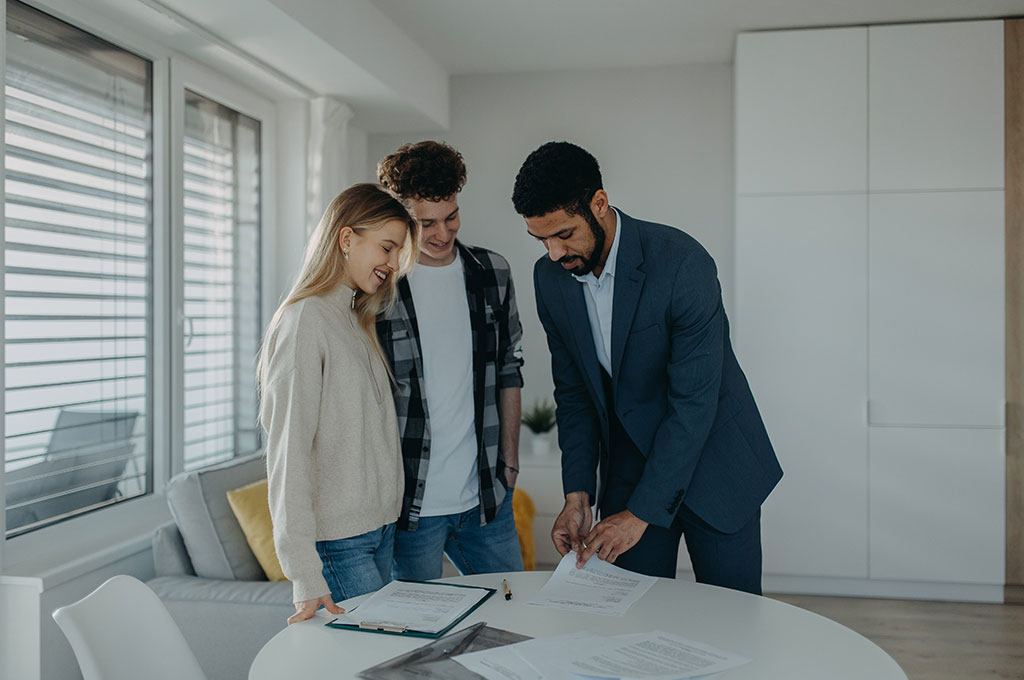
(726,560)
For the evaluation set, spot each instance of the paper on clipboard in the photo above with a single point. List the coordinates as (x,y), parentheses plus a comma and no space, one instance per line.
(410,606)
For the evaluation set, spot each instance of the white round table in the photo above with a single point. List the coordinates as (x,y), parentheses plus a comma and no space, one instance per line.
(783,642)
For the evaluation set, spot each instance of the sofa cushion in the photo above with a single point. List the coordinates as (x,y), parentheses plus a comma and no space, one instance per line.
(252,510)
(199,504)
(170,556)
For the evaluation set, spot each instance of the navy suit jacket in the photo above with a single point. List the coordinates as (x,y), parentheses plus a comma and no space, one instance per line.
(677,388)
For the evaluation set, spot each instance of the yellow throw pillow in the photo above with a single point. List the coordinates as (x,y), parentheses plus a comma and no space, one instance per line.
(252,509)
(523,510)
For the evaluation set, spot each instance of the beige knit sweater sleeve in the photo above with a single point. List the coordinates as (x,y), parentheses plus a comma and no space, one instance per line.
(290,412)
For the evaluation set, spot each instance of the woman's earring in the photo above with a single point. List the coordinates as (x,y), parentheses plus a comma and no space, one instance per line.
(345,253)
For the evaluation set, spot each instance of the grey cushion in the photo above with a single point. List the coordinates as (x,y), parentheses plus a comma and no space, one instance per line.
(199,504)
(170,557)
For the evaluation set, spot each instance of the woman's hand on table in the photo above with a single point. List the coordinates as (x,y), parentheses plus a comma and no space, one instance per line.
(305,609)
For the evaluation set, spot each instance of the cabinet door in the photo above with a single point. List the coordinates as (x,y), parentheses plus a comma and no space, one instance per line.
(800,333)
(937,309)
(936,93)
(937,504)
(801,111)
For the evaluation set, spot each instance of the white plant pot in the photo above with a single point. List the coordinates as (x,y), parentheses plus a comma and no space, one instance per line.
(542,443)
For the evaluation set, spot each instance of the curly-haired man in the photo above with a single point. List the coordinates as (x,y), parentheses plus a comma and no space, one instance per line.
(647,387)
(453,342)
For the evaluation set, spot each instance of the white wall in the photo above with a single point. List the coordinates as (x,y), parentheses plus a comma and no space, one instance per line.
(290,174)
(663,137)
(358,171)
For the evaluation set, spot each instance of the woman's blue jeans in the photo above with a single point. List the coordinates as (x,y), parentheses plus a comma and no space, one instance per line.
(358,564)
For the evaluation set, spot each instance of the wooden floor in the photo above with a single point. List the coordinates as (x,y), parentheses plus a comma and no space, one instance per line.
(933,640)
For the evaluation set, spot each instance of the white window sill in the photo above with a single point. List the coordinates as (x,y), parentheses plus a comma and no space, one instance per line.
(64,551)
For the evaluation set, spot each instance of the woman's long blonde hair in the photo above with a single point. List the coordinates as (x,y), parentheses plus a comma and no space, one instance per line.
(362,207)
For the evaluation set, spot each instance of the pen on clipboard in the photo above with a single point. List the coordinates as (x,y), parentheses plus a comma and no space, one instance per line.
(506,589)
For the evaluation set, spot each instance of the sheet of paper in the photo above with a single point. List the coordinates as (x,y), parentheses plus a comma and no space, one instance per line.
(652,656)
(513,662)
(424,607)
(598,588)
(543,654)
(500,663)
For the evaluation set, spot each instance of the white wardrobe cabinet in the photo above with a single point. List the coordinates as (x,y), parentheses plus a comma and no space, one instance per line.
(936,309)
(801,111)
(936,100)
(937,498)
(802,309)
(869,311)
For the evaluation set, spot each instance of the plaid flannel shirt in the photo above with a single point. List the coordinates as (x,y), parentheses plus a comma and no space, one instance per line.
(497,360)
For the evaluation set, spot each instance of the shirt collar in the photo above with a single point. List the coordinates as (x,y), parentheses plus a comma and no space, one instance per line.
(609,265)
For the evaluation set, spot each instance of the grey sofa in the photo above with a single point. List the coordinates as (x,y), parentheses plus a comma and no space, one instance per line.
(208,577)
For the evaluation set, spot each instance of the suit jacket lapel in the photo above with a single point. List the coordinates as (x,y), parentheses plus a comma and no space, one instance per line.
(579,321)
(629,281)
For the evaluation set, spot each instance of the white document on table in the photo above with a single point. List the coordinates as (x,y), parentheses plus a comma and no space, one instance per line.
(422,607)
(499,663)
(527,660)
(544,654)
(598,588)
(652,656)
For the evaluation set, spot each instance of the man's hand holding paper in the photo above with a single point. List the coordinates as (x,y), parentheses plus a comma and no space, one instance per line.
(611,537)
(597,588)
(573,523)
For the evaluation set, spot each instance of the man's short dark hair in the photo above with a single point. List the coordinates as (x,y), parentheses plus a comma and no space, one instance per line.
(431,171)
(557,176)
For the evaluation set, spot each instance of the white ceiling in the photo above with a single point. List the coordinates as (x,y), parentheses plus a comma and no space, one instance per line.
(504,36)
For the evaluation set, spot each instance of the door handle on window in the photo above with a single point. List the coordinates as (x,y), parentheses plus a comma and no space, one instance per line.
(191,331)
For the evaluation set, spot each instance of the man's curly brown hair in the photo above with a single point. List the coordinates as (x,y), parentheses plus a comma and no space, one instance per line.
(429,170)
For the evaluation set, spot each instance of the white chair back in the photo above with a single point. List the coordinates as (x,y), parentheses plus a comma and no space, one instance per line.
(122,631)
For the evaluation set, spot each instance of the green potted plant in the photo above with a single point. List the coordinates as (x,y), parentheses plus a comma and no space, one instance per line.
(540,419)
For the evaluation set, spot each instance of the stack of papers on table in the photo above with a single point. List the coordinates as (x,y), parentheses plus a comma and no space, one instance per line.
(648,656)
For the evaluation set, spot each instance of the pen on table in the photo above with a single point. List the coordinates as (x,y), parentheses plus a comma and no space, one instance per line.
(504,587)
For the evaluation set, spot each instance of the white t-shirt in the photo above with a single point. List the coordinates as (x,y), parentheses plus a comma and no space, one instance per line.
(446,343)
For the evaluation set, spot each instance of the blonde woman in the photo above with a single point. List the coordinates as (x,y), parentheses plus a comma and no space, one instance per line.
(334,465)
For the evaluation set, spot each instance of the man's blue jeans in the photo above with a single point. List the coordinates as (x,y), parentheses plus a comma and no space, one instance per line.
(472,548)
(358,564)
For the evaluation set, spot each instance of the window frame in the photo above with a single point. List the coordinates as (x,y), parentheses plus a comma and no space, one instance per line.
(119,516)
(186,74)
(70,546)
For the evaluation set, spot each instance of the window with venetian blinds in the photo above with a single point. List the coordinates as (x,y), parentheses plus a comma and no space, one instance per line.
(78,279)
(221,281)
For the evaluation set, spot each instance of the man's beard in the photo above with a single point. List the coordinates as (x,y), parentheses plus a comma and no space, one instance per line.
(590,261)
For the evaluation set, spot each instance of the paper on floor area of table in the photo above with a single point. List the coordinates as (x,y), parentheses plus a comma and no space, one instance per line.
(655,655)
(652,656)
(545,655)
(500,663)
(516,662)
(425,607)
(598,588)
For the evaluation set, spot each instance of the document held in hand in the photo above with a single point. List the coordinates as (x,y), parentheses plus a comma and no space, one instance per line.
(597,588)
(414,608)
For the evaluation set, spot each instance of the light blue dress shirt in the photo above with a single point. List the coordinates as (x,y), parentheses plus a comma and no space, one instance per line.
(599,291)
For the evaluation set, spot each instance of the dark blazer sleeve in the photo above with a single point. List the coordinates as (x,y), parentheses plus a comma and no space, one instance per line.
(694,369)
(579,430)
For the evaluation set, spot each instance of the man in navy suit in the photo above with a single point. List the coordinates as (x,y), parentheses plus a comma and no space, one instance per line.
(649,394)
